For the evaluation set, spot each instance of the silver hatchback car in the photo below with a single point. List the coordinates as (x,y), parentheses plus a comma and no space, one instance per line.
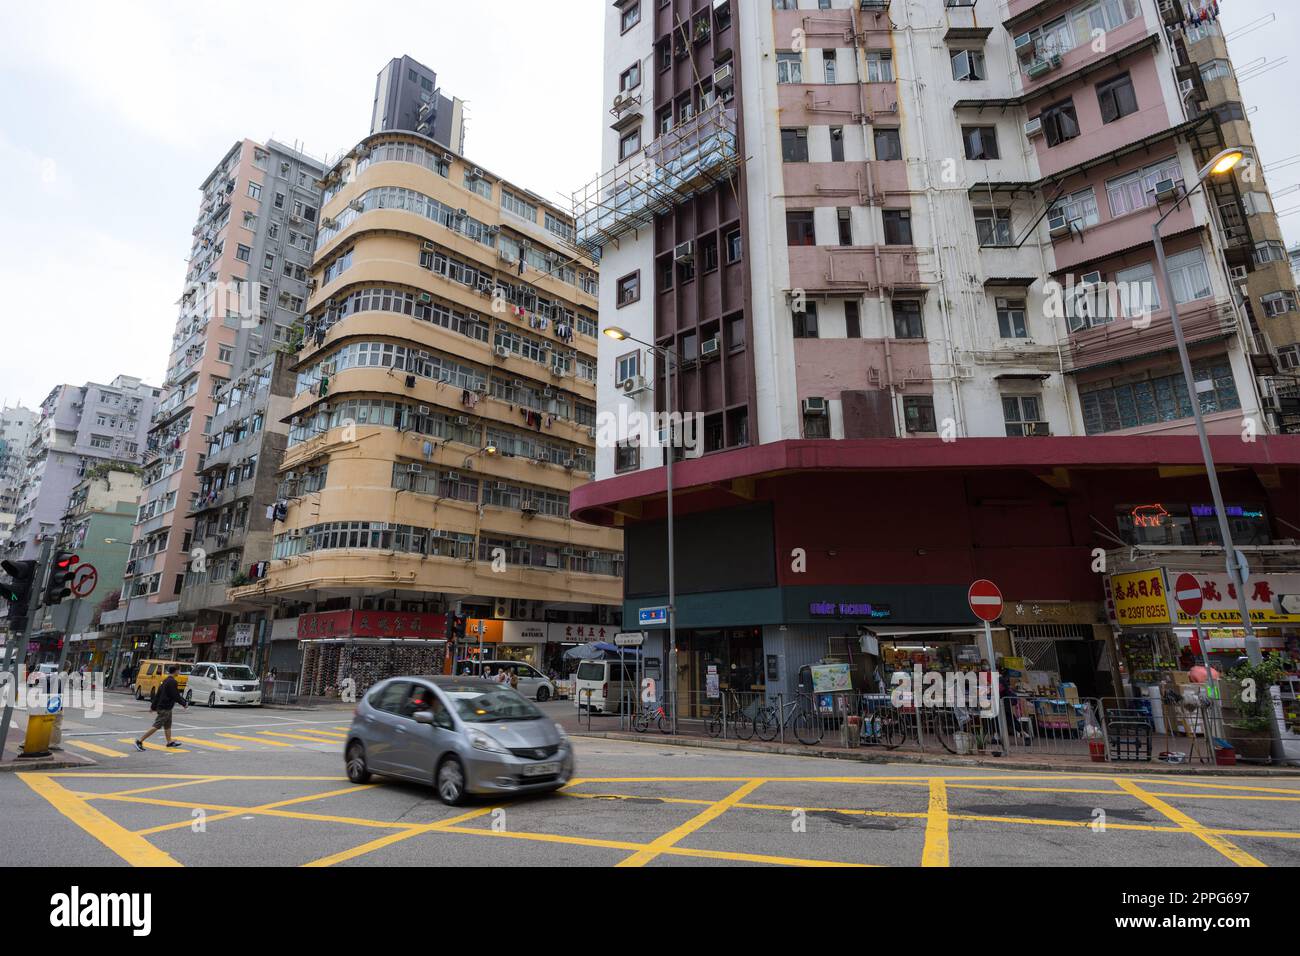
(464,735)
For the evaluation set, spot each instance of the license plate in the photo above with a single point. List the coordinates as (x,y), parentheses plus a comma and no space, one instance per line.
(541,769)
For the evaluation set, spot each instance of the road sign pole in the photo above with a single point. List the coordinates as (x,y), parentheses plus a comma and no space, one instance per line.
(994,690)
(19,647)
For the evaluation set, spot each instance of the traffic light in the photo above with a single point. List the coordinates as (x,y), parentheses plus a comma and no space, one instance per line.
(458,627)
(59,584)
(18,592)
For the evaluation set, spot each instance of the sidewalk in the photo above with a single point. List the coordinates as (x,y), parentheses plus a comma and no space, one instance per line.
(57,760)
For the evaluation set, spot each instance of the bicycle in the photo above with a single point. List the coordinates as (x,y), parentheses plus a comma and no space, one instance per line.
(883,727)
(799,714)
(742,723)
(641,722)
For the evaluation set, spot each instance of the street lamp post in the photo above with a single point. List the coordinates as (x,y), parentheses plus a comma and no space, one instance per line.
(1220,164)
(670,359)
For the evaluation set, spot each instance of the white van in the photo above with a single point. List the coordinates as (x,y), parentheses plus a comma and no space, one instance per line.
(215,684)
(608,686)
(532,682)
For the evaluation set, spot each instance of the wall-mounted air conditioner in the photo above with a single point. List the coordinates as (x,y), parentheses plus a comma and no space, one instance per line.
(724,78)
(814,406)
(1034,127)
(710,347)
(633,384)
(684,252)
(1058,225)
(1166,189)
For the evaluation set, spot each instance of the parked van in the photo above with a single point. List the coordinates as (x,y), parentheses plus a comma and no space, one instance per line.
(532,682)
(215,684)
(153,672)
(609,683)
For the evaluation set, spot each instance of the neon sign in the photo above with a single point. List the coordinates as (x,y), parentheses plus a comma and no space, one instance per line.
(1149,516)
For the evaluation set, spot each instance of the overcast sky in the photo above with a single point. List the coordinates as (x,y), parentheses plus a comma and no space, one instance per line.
(111,115)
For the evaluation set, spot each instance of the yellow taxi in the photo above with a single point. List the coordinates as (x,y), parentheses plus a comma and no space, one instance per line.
(153,672)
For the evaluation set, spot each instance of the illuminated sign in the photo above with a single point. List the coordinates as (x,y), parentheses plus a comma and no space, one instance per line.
(848,609)
(1233,511)
(1149,516)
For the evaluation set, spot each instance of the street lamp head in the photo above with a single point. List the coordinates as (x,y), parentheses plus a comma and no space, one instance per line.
(1222,163)
(614,332)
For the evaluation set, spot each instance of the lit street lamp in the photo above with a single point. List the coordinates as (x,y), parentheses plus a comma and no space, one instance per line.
(1224,162)
(620,335)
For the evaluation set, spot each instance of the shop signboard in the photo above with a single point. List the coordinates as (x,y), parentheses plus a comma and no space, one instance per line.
(205,634)
(829,678)
(1219,598)
(523,632)
(711,686)
(243,636)
(371,624)
(578,633)
(1141,598)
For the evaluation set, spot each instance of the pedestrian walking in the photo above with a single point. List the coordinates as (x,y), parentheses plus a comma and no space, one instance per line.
(169,695)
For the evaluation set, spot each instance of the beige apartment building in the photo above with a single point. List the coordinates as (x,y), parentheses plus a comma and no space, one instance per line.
(444,411)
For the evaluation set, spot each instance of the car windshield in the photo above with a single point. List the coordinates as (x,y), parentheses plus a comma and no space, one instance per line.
(236,672)
(481,705)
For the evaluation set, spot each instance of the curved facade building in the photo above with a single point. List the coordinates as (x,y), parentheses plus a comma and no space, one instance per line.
(444,408)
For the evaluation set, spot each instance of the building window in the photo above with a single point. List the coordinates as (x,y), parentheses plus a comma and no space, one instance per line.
(794,145)
(629,289)
(1059,123)
(255,190)
(518,206)
(1137,292)
(1164,398)
(837,144)
(844,220)
(789,67)
(1011,318)
(1188,276)
(852,321)
(1216,70)
(918,414)
(627,456)
(242,252)
(224,353)
(734,246)
(805,322)
(1269,251)
(981,142)
(629,144)
(709,253)
(626,366)
(631,16)
(630,78)
(279,200)
(880,68)
(1278,303)
(665,274)
(1137,190)
(993,227)
(967,64)
(735,333)
(799,229)
(1023,416)
(907,319)
(1116,98)
(888,144)
(898,227)
(1288,357)
(829,66)
(1078,209)
(816,424)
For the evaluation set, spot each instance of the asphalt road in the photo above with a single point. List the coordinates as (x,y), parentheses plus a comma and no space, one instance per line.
(266,787)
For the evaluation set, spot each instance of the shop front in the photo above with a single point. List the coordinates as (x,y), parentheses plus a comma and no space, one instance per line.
(362,647)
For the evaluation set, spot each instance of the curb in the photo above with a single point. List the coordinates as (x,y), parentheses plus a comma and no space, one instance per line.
(946,760)
(46,763)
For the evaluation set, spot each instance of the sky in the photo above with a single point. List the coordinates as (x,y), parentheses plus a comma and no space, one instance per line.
(111,115)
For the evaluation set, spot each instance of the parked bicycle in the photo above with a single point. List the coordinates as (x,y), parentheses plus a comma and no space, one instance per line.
(882,726)
(659,717)
(740,717)
(799,714)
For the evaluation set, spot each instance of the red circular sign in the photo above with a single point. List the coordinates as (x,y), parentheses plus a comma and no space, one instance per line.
(84,579)
(1187,592)
(985,600)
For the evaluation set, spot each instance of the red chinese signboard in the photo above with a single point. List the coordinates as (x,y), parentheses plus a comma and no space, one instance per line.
(372,624)
(204,634)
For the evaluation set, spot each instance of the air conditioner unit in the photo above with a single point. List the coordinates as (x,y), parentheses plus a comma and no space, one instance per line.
(548,392)
(481,388)
(710,347)
(476,173)
(814,406)
(1034,127)
(520,543)
(570,463)
(357,205)
(1166,189)
(684,251)
(633,384)
(448,158)
(591,432)
(415,467)
(428,247)
(462,420)
(1025,47)
(1186,87)
(724,77)
(422,409)
(329,223)
(502,351)
(1058,225)
(528,507)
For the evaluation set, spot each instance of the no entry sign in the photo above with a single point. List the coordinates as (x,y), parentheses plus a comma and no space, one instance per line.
(84,579)
(985,600)
(1187,592)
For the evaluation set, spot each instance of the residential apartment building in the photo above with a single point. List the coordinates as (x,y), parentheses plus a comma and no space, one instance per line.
(244,291)
(903,255)
(407,97)
(80,427)
(443,414)
(16,425)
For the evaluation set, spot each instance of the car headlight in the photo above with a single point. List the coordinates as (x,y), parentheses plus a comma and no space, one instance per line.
(564,737)
(482,741)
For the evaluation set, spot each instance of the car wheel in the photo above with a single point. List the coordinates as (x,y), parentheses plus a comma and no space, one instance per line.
(451,782)
(212,699)
(355,763)
(138,694)
(189,697)
(543,694)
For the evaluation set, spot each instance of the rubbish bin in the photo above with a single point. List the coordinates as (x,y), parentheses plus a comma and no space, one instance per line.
(37,742)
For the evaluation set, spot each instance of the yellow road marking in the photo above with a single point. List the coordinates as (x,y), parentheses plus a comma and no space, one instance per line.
(185,776)
(355,788)
(1224,846)
(392,838)
(675,835)
(935,852)
(207,743)
(1184,795)
(257,740)
(131,847)
(344,729)
(1218,786)
(328,734)
(161,786)
(275,733)
(93,748)
(150,745)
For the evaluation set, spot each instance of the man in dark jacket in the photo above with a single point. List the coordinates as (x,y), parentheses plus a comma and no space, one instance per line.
(169,695)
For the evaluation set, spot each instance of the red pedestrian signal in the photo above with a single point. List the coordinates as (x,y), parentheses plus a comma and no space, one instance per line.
(59,584)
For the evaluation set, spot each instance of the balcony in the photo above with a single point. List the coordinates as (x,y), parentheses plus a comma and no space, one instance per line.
(1123,339)
(690,159)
